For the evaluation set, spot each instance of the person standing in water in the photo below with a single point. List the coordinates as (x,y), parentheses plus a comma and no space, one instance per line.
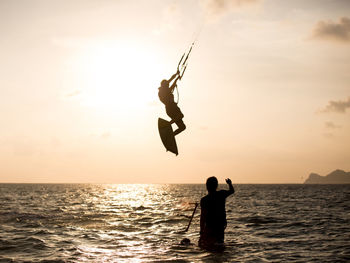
(213,214)
(166,96)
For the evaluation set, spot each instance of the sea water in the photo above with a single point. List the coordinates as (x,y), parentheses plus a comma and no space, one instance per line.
(146,223)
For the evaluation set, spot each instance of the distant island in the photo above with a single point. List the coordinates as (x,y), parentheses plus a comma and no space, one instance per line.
(335,177)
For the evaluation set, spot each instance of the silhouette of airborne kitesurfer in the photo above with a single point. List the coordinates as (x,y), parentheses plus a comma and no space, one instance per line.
(213,215)
(166,96)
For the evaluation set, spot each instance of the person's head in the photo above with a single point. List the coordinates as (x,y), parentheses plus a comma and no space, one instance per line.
(164,84)
(185,242)
(212,184)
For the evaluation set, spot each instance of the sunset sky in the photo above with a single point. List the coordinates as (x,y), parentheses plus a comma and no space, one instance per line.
(266,95)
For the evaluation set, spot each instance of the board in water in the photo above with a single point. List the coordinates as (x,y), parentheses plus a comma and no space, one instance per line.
(167,135)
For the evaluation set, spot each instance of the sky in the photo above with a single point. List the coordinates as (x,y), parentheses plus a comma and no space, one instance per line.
(266,94)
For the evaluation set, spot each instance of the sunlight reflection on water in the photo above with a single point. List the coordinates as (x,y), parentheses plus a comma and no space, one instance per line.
(145,223)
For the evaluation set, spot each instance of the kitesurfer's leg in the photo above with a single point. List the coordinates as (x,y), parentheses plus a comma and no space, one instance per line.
(181,127)
(176,116)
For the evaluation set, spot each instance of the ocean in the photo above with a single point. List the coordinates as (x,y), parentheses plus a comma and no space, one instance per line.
(145,223)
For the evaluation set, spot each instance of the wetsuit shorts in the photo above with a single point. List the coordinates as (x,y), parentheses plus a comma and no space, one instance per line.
(174,111)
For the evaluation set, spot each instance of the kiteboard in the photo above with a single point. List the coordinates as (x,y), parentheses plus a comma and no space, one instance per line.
(167,136)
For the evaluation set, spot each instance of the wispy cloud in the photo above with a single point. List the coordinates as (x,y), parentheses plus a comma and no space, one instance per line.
(171,17)
(339,106)
(220,7)
(328,135)
(105,135)
(331,125)
(72,93)
(334,31)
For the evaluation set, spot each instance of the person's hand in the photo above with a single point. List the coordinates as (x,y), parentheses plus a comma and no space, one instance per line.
(228,181)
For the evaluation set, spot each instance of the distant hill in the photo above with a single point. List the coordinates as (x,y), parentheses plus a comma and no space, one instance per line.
(335,177)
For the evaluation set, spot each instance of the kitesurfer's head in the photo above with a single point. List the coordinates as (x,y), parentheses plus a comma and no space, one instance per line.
(212,184)
(164,84)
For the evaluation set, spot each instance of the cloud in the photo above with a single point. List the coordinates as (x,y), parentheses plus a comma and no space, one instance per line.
(72,93)
(220,7)
(105,135)
(328,135)
(171,19)
(334,31)
(339,106)
(331,125)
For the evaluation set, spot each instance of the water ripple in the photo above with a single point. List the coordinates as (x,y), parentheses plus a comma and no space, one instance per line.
(145,223)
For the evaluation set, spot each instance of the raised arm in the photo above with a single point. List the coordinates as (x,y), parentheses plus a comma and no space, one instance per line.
(231,189)
(176,76)
(173,86)
(173,76)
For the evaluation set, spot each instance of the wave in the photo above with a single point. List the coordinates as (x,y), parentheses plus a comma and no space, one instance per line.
(259,220)
(94,223)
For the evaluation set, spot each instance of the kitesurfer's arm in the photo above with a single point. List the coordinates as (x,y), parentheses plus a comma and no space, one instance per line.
(231,189)
(173,86)
(173,76)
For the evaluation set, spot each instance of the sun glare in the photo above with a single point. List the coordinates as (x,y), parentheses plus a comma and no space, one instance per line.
(119,77)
